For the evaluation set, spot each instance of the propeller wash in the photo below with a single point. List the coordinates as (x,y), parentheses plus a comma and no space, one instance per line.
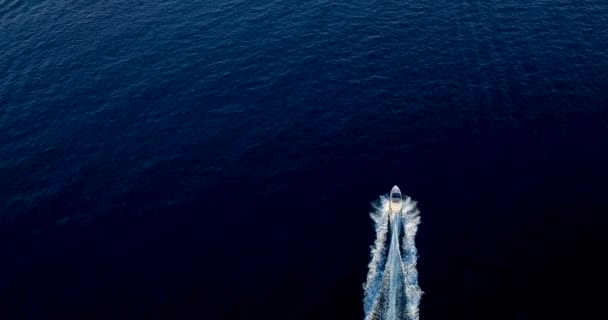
(391,289)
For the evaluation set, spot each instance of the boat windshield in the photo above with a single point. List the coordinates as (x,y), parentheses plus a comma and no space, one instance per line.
(396,197)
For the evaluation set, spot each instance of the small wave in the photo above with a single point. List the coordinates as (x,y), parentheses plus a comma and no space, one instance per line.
(10,7)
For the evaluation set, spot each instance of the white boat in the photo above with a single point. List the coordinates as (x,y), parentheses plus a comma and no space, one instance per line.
(396,200)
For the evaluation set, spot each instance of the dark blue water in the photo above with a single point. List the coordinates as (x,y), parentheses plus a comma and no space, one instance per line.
(216,159)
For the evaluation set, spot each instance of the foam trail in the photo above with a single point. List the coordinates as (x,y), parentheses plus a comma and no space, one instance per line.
(391,289)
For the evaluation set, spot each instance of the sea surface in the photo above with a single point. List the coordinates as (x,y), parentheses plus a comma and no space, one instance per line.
(190,159)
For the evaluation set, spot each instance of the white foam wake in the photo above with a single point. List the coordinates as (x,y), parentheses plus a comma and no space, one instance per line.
(391,289)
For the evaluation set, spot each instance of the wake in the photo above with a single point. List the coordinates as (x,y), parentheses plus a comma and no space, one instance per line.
(391,289)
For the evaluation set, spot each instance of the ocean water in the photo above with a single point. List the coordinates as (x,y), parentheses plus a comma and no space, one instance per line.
(217,159)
